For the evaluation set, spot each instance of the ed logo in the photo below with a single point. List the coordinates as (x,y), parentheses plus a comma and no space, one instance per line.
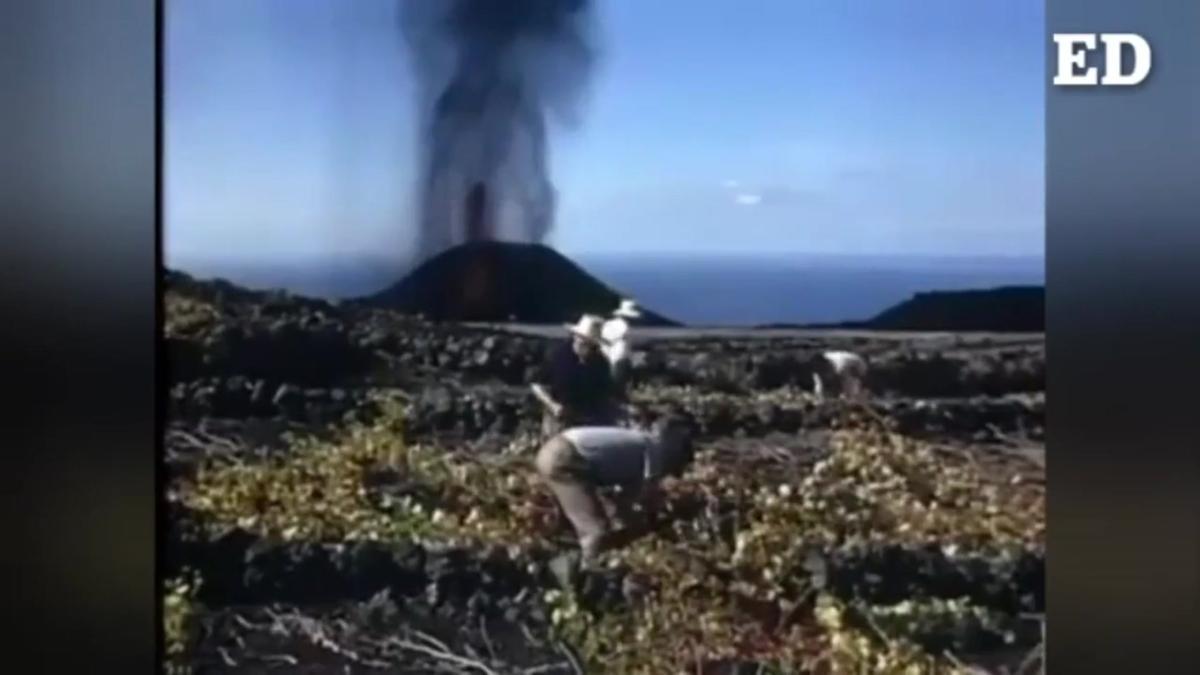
(1073,49)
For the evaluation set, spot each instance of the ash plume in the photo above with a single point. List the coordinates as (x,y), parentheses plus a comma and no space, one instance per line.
(491,74)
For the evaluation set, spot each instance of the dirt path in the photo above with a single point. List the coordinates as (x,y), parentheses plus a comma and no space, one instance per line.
(702,332)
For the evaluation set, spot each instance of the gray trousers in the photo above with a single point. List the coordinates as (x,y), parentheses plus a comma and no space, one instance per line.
(552,425)
(566,473)
(569,477)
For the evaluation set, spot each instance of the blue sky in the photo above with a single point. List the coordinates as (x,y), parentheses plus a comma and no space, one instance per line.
(711,126)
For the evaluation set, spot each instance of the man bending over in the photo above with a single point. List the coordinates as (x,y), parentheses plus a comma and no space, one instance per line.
(579,460)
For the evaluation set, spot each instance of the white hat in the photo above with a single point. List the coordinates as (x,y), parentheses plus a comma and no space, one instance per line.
(588,327)
(845,361)
(627,309)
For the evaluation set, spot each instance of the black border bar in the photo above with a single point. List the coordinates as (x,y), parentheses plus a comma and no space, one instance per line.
(1123,298)
(78,212)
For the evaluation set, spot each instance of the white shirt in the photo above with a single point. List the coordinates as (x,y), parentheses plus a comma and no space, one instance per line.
(617,351)
(615,331)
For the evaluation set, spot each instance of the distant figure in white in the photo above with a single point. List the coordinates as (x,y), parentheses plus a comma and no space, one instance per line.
(844,370)
(616,333)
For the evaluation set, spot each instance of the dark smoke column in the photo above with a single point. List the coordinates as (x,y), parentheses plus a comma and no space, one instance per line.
(491,72)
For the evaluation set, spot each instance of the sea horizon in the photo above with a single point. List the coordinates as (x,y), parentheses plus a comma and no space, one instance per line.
(734,289)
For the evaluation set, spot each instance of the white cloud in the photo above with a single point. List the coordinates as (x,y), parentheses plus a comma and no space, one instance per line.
(748,199)
(731,183)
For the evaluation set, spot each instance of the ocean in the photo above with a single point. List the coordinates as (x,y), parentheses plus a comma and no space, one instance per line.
(700,291)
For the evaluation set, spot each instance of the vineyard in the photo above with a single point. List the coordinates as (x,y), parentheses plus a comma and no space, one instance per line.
(384,516)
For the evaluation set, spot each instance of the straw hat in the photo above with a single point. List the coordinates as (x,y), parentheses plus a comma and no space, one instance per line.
(589,328)
(628,309)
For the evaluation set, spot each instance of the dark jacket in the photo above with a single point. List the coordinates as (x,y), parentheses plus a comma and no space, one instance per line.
(584,388)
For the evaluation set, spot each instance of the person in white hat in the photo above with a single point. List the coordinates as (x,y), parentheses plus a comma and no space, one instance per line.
(616,334)
(575,383)
(842,369)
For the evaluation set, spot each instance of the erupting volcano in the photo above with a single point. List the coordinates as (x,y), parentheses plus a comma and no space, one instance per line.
(490,74)
(479,227)
(493,281)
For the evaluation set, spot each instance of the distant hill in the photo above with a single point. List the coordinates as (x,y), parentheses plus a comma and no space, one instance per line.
(498,281)
(1007,309)
(1012,309)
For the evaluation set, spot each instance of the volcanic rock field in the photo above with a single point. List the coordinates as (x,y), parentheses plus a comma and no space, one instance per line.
(349,489)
